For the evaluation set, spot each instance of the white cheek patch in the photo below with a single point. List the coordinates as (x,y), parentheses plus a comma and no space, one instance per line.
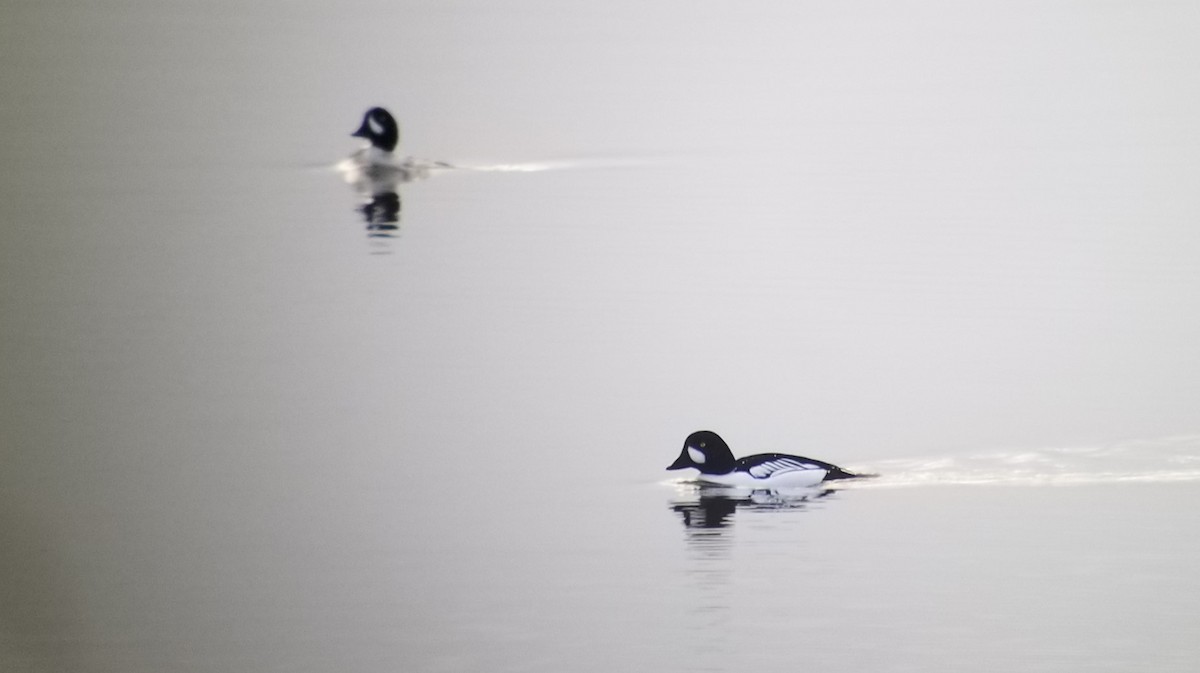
(696,456)
(376,127)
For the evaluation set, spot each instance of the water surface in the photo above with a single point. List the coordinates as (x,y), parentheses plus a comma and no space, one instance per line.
(953,244)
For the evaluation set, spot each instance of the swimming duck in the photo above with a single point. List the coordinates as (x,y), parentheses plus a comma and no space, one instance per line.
(375,169)
(707,452)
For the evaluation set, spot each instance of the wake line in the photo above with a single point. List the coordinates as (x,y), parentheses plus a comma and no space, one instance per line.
(527,167)
(557,165)
(1166,460)
(428,166)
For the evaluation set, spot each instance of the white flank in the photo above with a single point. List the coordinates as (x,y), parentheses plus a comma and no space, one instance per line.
(788,479)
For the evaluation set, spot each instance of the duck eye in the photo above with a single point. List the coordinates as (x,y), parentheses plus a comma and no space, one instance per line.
(702,445)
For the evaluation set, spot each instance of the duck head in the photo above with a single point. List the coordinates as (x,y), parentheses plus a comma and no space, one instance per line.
(705,451)
(379,128)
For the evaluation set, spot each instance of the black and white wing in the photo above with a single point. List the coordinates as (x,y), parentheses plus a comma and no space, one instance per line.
(766,465)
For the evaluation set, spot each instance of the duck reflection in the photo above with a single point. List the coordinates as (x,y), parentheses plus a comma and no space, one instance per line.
(378,189)
(708,512)
(382,213)
(703,506)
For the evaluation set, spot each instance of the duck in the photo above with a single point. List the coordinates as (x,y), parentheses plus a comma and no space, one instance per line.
(375,169)
(705,451)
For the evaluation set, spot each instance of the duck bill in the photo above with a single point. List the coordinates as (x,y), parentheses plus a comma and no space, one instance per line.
(681,462)
(362,132)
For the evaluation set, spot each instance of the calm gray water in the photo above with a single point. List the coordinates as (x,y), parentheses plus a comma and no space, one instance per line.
(952,243)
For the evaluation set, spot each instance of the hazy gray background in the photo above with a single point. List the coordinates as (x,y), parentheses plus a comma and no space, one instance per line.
(951,242)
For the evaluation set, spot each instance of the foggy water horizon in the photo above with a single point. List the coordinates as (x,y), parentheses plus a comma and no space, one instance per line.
(254,418)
